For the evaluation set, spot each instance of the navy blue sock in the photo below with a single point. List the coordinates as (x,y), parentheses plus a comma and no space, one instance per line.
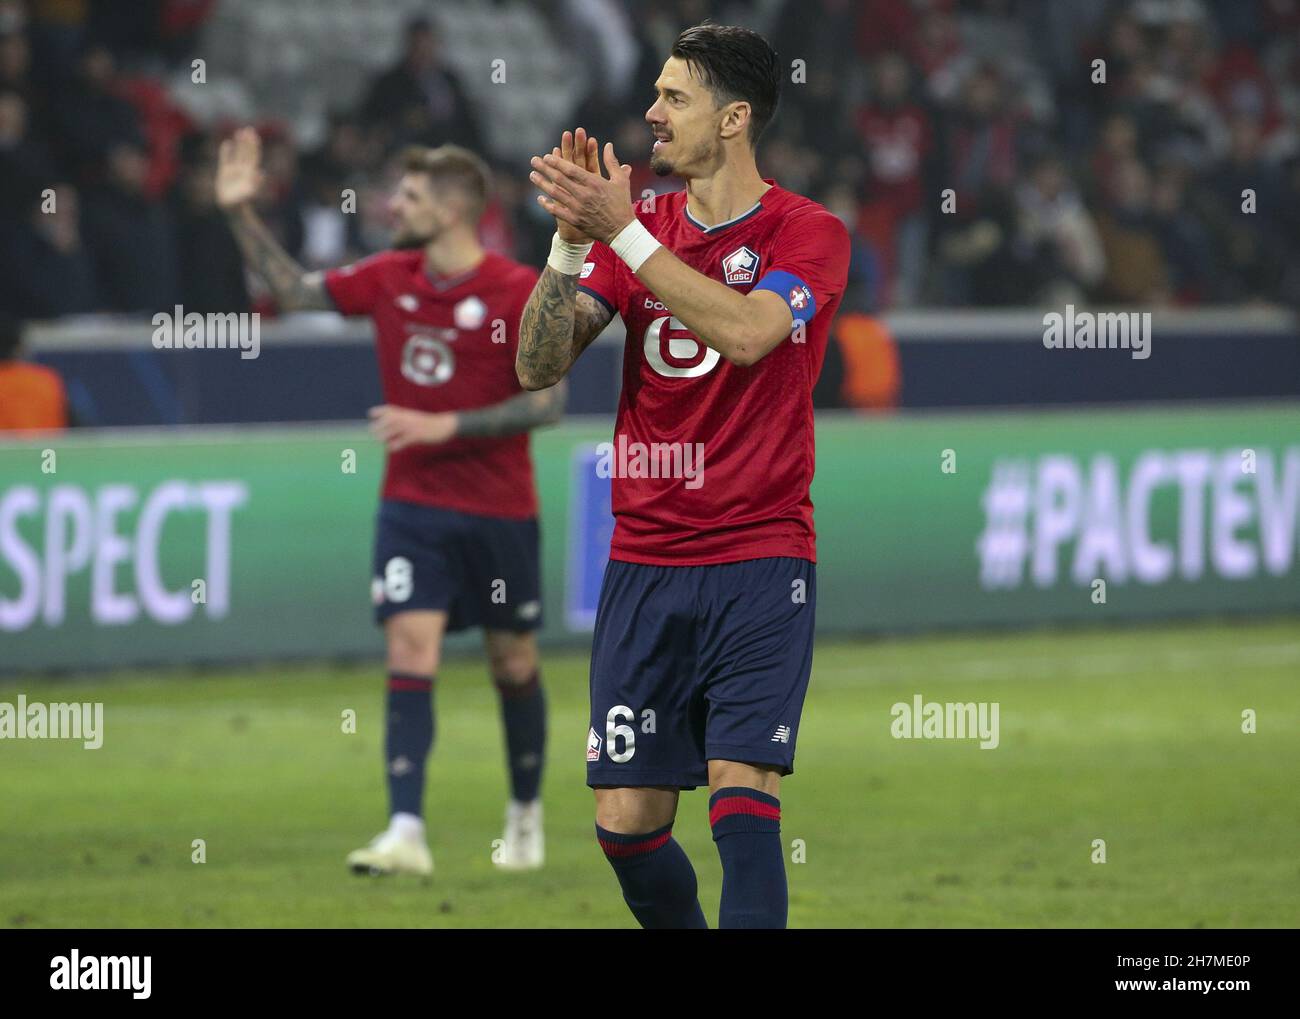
(523,713)
(747,829)
(408,741)
(657,878)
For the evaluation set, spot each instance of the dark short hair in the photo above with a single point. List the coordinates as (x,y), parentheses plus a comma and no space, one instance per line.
(452,165)
(734,64)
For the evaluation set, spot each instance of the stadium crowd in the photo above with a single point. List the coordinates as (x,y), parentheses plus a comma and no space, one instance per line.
(975,149)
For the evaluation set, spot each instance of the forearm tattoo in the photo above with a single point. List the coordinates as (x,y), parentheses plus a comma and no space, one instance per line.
(518,414)
(293,287)
(558,324)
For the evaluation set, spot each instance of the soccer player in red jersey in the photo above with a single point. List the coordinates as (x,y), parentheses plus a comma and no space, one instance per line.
(456,541)
(704,631)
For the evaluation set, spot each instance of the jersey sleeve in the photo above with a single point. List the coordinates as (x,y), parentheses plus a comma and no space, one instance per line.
(811,265)
(599,276)
(355,288)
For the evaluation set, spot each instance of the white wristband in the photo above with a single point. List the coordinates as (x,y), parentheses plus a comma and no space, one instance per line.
(567,258)
(634,244)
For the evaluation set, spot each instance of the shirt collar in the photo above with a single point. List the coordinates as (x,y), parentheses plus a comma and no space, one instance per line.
(444,283)
(752,211)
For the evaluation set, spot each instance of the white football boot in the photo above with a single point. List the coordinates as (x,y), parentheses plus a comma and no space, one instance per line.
(523,844)
(400,849)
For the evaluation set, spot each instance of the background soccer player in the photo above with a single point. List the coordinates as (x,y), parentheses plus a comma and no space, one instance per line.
(457,540)
(704,631)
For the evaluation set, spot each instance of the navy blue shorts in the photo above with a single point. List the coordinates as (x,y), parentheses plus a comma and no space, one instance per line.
(482,571)
(697,663)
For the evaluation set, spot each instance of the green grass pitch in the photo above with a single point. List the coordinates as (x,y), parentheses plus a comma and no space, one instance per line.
(1131,735)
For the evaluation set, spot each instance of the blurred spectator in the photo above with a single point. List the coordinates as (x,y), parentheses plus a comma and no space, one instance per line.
(1184,239)
(979,165)
(162,126)
(1136,272)
(57,31)
(32,397)
(180,24)
(937,50)
(330,236)
(143,29)
(620,66)
(90,116)
(211,269)
(420,100)
(1057,241)
(15,64)
(26,166)
(347,152)
(977,259)
(982,140)
(1240,86)
(886,26)
(895,133)
(1254,245)
(1117,145)
(131,236)
(816,33)
(128,29)
(866,282)
(45,269)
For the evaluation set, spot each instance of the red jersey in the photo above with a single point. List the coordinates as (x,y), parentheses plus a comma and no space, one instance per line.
(711,462)
(447,344)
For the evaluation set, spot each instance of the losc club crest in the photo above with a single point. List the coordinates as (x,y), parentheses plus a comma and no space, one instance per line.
(740,268)
(427,361)
(593,745)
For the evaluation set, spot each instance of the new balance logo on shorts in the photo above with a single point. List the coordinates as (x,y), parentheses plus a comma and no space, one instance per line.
(782,734)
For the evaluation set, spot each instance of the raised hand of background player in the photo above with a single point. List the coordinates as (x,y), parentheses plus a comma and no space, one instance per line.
(399,427)
(239,168)
(577,148)
(581,197)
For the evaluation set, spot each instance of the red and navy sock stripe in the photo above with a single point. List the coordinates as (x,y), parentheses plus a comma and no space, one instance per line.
(747,831)
(622,847)
(523,714)
(409,681)
(657,879)
(737,808)
(408,737)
